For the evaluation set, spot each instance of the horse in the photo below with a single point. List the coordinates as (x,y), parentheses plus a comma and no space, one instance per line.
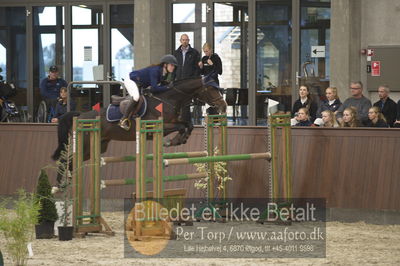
(182,93)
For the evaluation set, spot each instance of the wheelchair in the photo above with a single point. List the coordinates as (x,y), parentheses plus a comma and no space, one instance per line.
(45,113)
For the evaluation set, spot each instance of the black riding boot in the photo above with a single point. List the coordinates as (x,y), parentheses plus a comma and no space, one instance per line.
(126,107)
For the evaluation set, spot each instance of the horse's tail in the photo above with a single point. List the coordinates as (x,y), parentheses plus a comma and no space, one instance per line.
(63,129)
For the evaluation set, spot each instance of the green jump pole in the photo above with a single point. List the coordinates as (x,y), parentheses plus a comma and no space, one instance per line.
(223,143)
(218,158)
(132,181)
(158,185)
(283,122)
(176,155)
(210,150)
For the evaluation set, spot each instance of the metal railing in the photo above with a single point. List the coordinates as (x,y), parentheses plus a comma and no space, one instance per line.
(96,82)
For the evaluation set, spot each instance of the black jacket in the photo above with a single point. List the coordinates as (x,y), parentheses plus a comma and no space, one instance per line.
(389,110)
(312,108)
(189,68)
(325,106)
(379,123)
(215,69)
(304,123)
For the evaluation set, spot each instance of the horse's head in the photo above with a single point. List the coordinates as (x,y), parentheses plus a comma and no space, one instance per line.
(211,95)
(203,90)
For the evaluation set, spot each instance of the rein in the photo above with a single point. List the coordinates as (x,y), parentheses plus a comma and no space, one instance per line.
(212,101)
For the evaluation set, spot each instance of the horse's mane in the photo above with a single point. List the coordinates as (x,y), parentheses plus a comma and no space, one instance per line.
(185,80)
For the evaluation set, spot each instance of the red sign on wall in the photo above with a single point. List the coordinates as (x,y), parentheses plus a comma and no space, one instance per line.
(375,68)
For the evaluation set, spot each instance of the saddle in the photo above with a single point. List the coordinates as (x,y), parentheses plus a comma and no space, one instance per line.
(119,106)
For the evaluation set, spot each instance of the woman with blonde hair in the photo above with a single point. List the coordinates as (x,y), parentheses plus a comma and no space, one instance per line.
(332,102)
(350,118)
(210,65)
(329,119)
(375,118)
(303,118)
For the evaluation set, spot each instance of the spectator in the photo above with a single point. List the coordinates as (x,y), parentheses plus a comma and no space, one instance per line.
(397,122)
(387,106)
(350,118)
(332,102)
(357,100)
(303,118)
(329,119)
(305,101)
(50,87)
(61,106)
(375,118)
(210,65)
(1,108)
(188,59)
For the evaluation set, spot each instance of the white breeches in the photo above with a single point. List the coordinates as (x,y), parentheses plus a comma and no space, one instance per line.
(132,88)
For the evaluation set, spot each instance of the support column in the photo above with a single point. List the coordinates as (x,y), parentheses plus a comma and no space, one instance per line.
(345,44)
(150,27)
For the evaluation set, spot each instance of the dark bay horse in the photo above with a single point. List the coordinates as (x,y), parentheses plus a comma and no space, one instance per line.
(182,93)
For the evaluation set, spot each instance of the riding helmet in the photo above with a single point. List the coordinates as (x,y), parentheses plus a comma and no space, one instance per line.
(53,69)
(169,59)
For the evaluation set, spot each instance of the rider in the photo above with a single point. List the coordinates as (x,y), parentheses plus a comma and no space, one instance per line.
(50,87)
(157,78)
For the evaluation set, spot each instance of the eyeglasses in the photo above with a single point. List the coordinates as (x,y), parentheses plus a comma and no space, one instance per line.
(355,88)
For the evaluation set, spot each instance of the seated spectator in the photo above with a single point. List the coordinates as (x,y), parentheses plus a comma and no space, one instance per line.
(350,118)
(61,106)
(375,118)
(303,118)
(305,101)
(332,102)
(328,119)
(387,106)
(357,100)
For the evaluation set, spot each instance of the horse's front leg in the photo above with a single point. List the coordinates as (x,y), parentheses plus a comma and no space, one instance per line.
(172,127)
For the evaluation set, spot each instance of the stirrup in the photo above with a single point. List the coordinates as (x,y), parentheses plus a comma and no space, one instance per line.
(125,124)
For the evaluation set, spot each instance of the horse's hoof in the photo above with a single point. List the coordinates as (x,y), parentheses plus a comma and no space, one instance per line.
(167,143)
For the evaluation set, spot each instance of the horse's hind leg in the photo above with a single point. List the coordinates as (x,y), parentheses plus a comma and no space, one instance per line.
(188,131)
(104,145)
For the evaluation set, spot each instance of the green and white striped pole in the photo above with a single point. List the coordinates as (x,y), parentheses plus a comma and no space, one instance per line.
(132,181)
(218,158)
(105,160)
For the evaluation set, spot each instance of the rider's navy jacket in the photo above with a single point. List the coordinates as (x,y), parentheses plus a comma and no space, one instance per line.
(149,76)
(51,88)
